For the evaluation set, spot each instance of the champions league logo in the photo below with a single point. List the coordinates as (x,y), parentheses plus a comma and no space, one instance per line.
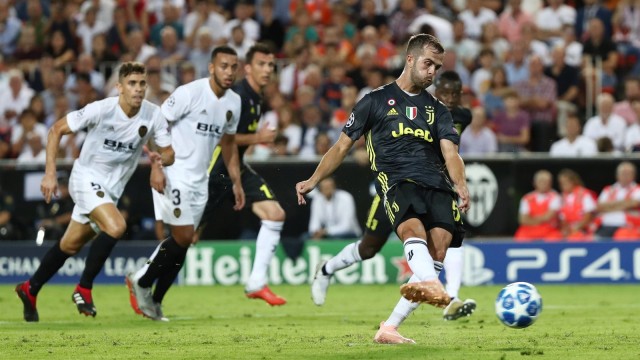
(352,118)
(483,193)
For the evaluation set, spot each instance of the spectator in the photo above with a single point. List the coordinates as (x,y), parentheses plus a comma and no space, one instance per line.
(105,11)
(599,47)
(511,21)
(15,96)
(10,29)
(38,18)
(606,123)
(242,16)
(493,99)
(89,28)
(369,16)
(517,67)
(442,28)
(331,89)
(239,42)
(475,16)
(408,11)
(37,106)
(626,34)
(578,207)
(477,138)
(512,125)
(203,16)
(538,213)
(572,47)
(117,35)
(624,108)
(551,19)
(466,49)
(333,213)
(86,65)
(102,55)
(171,17)
(632,134)
(272,30)
(605,146)
(292,76)
(574,144)
(60,50)
(538,96)
(140,50)
(56,216)
(27,53)
(567,79)
(290,129)
(481,77)
(340,115)
(65,17)
(491,38)
(55,87)
(280,146)
(592,9)
(533,45)
(200,55)
(172,51)
(312,125)
(618,204)
(384,50)
(323,142)
(29,138)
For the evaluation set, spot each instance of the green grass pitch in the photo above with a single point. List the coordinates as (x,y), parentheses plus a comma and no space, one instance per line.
(577,322)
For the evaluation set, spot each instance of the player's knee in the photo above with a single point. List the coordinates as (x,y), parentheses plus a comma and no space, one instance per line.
(367,252)
(70,249)
(184,238)
(277,214)
(115,229)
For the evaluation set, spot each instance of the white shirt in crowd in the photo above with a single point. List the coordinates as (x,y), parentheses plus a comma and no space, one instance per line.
(114,141)
(614,129)
(336,215)
(582,146)
(473,23)
(215,23)
(616,193)
(632,137)
(198,119)
(39,130)
(553,19)
(476,143)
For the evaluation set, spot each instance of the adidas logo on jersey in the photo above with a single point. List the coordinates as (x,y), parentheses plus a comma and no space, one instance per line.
(392,112)
(203,112)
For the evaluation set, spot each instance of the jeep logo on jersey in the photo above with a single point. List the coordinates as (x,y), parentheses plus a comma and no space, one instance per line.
(483,193)
(142,131)
(411,112)
(208,129)
(118,146)
(229,115)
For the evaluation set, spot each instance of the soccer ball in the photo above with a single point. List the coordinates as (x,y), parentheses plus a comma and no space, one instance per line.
(518,305)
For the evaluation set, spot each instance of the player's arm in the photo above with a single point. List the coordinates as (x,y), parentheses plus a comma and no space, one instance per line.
(329,163)
(231,160)
(455,167)
(49,184)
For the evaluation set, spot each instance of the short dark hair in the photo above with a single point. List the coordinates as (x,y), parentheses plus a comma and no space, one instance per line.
(448,76)
(131,67)
(420,41)
(258,48)
(223,49)
(573,176)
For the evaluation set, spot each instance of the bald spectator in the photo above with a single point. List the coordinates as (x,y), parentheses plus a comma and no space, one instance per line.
(574,144)
(538,213)
(618,203)
(538,97)
(606,123)
(477,138)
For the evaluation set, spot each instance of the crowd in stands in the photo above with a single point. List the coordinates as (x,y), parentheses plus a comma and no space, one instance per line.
(578,213)
(541,71)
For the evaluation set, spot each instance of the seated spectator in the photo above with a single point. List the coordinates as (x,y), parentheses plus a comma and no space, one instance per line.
(491,39)
(280,146)
(171,50)
(578,207)
(618,206)
(493,99)
(599,47)
(333,213)
(474,16)
(624,107)
(511,20)
(203,16)
(60,49)
(10,29)
(605,146)
(512,125)
(481,77)
(517,66)
(632,135)
(239,42)
(15,95)
(466,49)
(567,79)
(574,144)
(29,138)
(477,138)
(552,18)
(290,129)
(606,123)
(538,213)
(27,53)
(102,55)
(85,65)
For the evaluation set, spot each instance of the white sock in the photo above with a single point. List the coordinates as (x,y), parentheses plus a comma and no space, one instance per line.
(419,259)
(453,264)
(345,258)
(437,266)
(403,308)
(143,269)
(266,244)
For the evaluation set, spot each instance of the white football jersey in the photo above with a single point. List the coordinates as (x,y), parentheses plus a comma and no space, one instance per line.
(197,120)
(114,141)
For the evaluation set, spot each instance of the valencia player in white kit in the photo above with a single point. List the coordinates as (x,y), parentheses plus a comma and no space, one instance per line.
(202,115)
(117,129)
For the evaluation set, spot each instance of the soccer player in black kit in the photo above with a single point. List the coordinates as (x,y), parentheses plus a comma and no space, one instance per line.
(259,67)
(448,89)
(411,140)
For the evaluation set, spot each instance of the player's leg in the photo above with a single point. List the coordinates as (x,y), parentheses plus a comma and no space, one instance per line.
(72,241)
(425,254)
(453,266)
(377,231)
(112,226)
(266,207)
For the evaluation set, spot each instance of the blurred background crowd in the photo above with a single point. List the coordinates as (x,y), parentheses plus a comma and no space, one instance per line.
(559,76)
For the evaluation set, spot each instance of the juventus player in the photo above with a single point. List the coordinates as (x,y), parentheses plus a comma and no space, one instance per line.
(117,129)
(410,139)
(202,114)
